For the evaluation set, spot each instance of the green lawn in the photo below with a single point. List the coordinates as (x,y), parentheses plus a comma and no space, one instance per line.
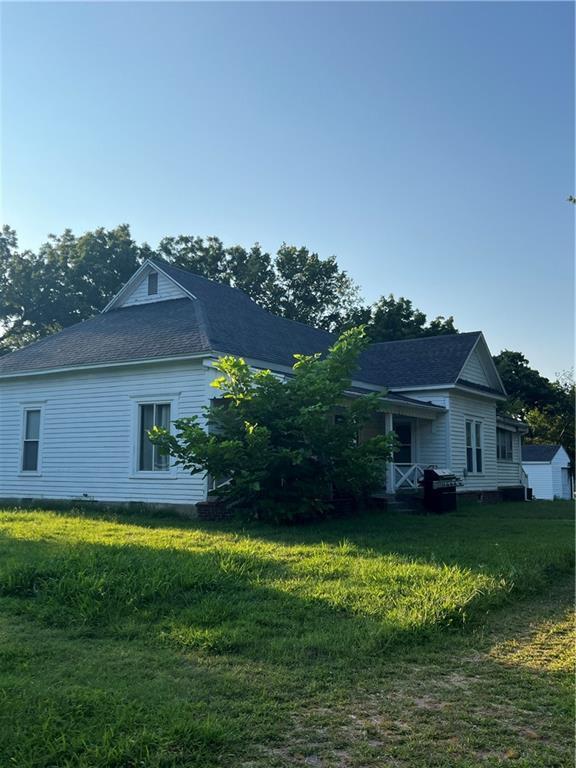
(409,641)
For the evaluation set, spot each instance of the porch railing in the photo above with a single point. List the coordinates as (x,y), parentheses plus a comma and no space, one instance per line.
(406,476)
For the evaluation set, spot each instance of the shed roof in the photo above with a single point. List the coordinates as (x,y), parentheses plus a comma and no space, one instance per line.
(540,453)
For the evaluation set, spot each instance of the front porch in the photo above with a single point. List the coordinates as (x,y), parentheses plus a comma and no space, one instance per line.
(422,441)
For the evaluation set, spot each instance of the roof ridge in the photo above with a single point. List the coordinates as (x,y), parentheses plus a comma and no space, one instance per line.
(243,293)
(203,322)
(428,338)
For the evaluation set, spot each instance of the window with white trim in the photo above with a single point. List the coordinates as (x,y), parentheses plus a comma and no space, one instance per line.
(31,440)
(474,458)
(504,445)
(149,457)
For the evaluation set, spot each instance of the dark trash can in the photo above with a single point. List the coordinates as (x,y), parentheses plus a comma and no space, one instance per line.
(440,489)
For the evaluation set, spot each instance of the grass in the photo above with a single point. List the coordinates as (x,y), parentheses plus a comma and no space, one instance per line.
(383,640)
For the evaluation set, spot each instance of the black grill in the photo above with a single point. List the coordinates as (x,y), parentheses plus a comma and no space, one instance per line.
(440,489)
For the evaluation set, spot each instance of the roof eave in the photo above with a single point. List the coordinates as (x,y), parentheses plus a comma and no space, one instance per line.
(506,421)
(481,392)
(115,364)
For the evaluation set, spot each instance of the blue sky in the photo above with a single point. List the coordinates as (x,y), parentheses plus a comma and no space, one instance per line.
(429,146)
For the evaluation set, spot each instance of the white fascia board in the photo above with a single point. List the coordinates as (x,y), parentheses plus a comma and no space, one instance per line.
(423,388)
(480,393)
(400,404)
(97,366)
(136,276)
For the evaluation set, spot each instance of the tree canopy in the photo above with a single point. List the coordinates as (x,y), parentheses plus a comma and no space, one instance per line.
(69,279)
(547,407)
(391,319)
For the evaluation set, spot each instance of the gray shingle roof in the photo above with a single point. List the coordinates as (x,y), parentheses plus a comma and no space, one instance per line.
(539,452)
(421,362)
(225,319)
(161,329)
(234,323)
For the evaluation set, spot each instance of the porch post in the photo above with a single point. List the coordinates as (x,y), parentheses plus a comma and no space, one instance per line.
(390,466)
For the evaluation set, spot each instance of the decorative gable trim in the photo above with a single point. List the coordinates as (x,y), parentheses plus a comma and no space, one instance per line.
(133,282)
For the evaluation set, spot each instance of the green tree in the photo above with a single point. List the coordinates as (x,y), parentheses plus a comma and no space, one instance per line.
(527,388)
(295,283)
(390,319)
(312,290)
(554,422)
(251,270)
(547,407)
(68,280)
(278,441)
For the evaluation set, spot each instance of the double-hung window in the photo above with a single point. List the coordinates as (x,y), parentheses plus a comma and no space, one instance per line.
(504,445)
(474,458)
(31,440)
(149,457)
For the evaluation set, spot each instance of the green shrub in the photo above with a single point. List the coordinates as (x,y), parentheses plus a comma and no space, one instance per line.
(288,445)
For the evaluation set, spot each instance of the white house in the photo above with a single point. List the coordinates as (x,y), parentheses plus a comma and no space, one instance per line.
(75,407)
(548,470)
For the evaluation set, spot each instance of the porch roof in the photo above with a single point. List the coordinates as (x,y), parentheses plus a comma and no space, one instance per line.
(394,397)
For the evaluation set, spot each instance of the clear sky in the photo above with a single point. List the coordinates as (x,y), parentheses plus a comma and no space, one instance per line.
(429,146)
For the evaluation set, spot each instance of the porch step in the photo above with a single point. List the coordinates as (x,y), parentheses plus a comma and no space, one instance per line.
(409,503)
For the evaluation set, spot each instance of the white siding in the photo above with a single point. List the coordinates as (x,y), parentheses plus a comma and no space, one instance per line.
(509,472)
(89,433)
(560,460)
(462,408)
(139,293)
(540,480)
(431,436)
(545,478)
(475,371)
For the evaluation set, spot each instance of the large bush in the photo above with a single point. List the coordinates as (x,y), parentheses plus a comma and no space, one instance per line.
(288,445)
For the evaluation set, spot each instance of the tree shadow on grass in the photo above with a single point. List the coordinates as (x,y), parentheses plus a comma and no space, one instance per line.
(175,657)
(224,600)
(520,543)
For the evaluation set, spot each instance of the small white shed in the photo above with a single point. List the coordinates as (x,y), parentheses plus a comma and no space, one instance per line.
(548,470)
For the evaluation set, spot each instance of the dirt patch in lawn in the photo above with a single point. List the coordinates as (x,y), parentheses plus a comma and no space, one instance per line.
(500,696)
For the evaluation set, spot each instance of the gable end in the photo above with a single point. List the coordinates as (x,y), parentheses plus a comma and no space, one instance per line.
(479,369)
(147,285)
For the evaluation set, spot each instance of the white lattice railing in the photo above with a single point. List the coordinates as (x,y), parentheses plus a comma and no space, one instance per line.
(214,484)
(406,476)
